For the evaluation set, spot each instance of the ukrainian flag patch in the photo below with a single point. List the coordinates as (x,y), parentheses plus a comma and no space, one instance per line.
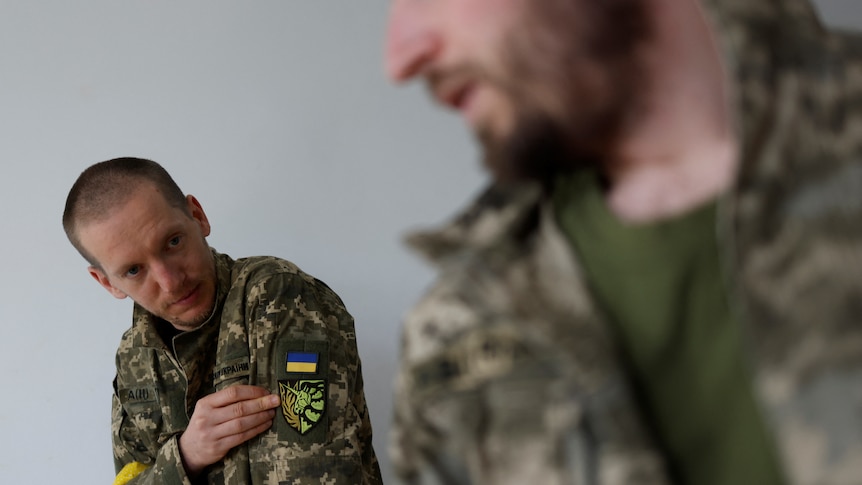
(302,371)
(302,362)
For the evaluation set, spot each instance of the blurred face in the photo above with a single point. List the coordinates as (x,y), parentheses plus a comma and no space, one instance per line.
(535,80)
(157,255)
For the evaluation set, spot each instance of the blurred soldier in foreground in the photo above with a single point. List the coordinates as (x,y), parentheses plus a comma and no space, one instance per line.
(663,283)
(234,371)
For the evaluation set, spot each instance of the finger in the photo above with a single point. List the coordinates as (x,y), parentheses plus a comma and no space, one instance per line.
(233,440)
(220,415)
(236,393)
(253,406)
(238,426)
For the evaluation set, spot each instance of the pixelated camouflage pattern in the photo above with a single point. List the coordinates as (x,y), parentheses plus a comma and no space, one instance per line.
(508,374)
(263,302)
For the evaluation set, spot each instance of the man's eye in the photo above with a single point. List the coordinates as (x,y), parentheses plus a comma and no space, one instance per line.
(133,271)
(174,241)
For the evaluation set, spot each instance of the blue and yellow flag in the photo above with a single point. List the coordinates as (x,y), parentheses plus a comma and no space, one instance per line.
(302,362)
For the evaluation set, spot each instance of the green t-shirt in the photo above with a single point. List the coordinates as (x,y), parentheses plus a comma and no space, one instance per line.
(661,287)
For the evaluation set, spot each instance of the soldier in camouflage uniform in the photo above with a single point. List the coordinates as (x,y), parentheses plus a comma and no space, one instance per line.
(234,371)
(664,282)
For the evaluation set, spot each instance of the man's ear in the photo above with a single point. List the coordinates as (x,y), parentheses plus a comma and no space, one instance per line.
(102,278)
(198,214)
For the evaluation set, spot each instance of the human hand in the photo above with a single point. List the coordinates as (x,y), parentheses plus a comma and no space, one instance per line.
(224,420)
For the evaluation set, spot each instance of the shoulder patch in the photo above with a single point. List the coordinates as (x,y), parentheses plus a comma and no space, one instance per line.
(302,362)
(302,368)
(303,403)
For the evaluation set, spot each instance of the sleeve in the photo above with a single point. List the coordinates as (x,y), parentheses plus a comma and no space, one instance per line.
(307,352)
(402,449)
(432,433)
(420,451)
(370,466)
(165,467)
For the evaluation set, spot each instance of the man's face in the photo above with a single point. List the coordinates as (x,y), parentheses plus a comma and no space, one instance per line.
(530,77)
(157,255)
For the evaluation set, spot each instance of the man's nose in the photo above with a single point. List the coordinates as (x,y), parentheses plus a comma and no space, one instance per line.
(169,277)
(411,42)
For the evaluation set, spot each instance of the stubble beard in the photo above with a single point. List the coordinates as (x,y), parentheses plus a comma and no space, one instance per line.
(192,324)
(579,85)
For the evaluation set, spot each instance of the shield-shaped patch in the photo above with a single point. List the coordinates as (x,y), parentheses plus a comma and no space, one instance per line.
(303,403)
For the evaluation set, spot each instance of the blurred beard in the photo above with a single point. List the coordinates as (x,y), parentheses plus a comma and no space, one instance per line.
(579,85)
(541,147)
(536,149)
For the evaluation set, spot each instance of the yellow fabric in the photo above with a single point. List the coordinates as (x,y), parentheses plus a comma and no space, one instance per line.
(129,472)
(305,367)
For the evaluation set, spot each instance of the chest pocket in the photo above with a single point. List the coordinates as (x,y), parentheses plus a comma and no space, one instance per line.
(144,412)
(152,394)
(141,403)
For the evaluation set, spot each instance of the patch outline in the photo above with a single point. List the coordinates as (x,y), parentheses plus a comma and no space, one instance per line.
(299,403)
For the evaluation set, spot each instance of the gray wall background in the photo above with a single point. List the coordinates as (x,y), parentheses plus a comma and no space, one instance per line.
(276,115)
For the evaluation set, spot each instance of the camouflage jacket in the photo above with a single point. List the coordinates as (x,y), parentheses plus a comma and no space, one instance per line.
(509,374)
(269,316)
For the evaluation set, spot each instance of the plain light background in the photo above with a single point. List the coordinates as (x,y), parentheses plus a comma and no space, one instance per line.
(276,115)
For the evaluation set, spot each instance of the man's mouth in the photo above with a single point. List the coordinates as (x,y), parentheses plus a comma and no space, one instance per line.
(453,91)
(457,98)
(187,299)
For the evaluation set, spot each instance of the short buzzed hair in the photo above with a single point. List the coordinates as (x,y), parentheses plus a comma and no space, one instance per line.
(106,185)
